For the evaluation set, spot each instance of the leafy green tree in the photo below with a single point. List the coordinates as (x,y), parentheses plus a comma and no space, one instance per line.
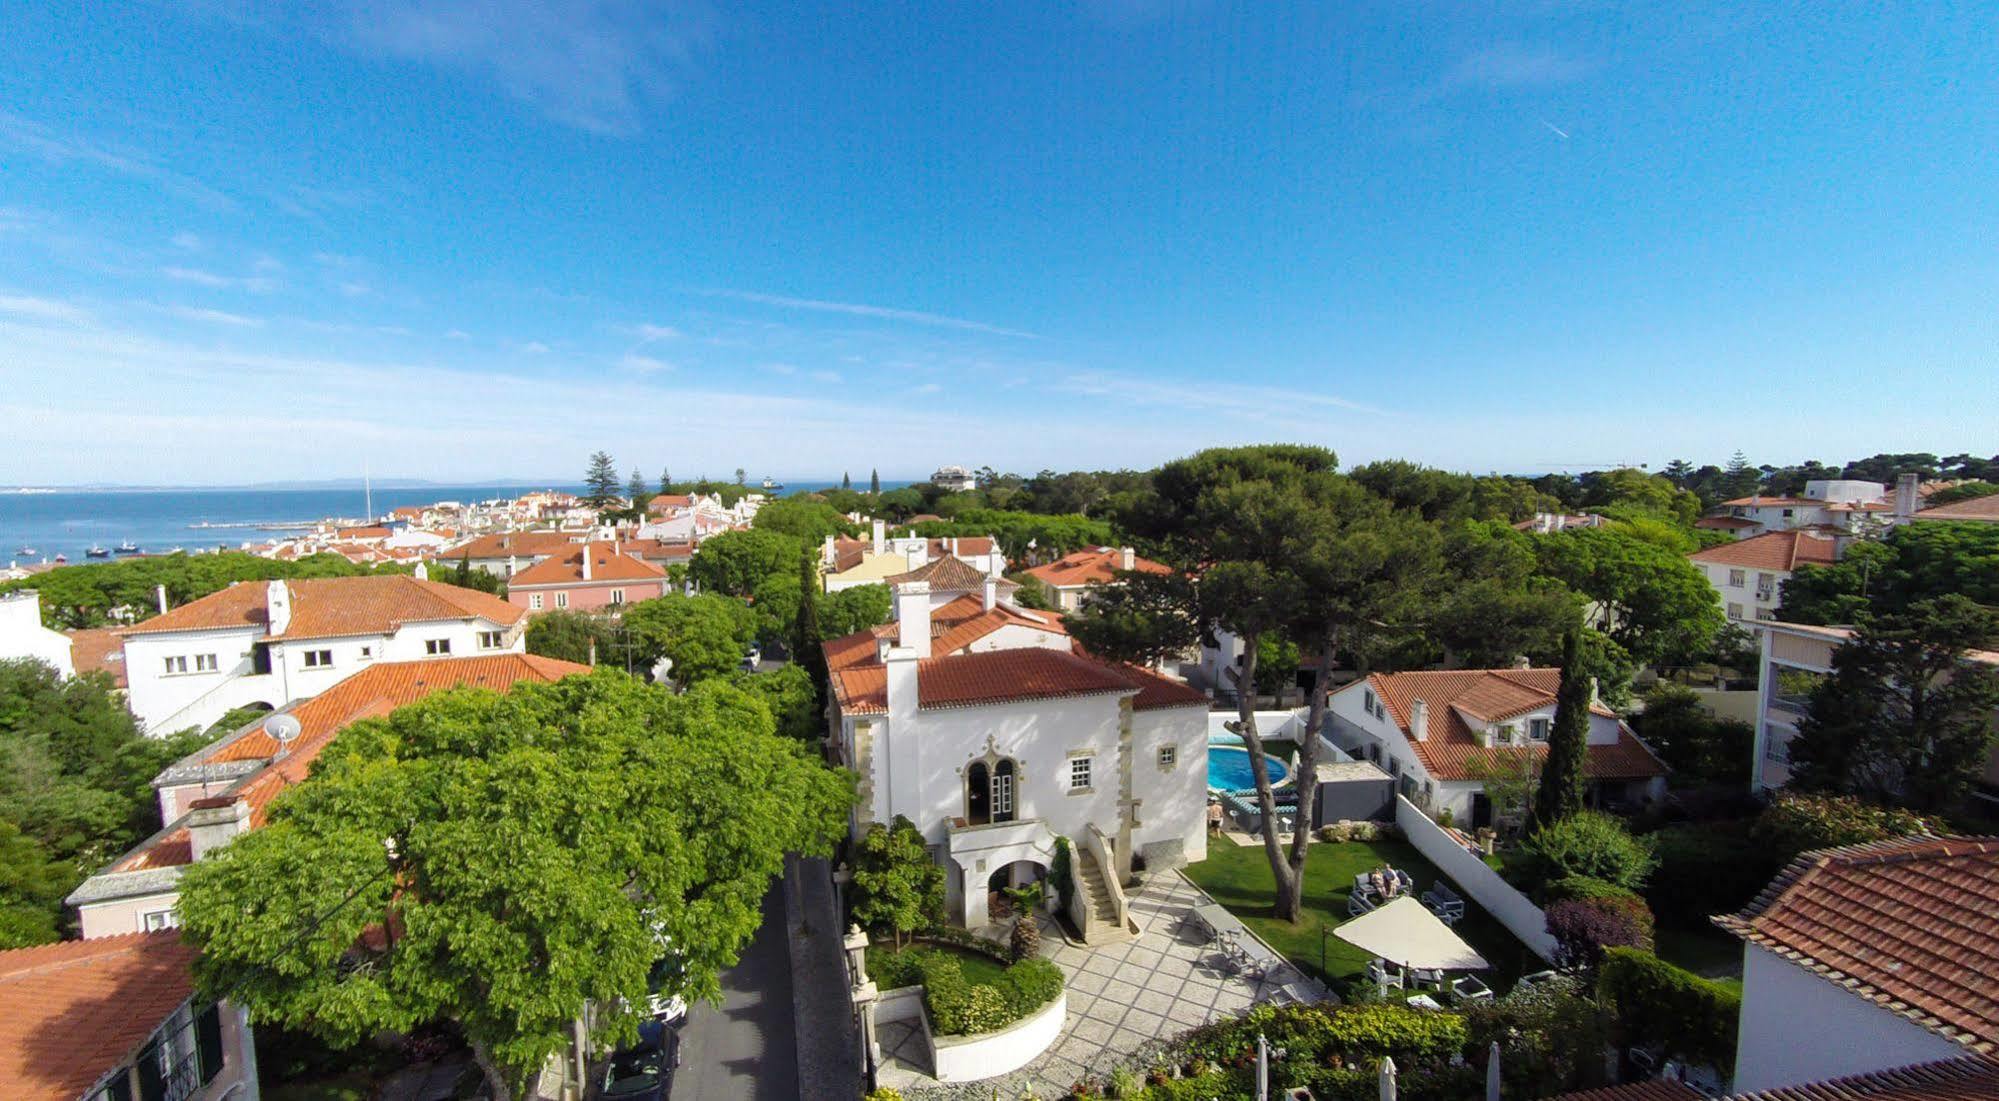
(1650,600)
(1679,472)
(1142,618)
(569,635)
(1800,822)
(665,482)
(874,482)
(735,562)
(1913,562)
(1560,795)
(1276,664)
(1031,592)
(1966,491)
(465,577)
(845,481)
(32,886)
(791,696)
(101,593)
(1587,843)
(901,504)
(896,884)
(503,861)
(775,604)
(1740,479)
(854,609)
(704,635)
(739,475)
(1051,535)
(807,634)
(807,521)
(1905,717)
(601,481)
(1698,746)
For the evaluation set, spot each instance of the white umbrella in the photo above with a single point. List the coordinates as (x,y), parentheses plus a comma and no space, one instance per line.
(1387,1080)
(1405,932)
(1492,1073)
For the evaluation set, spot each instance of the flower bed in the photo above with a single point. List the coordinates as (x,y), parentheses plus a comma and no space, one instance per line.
(960,1004)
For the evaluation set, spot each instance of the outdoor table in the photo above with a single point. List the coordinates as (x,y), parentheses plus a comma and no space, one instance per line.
(1213,916)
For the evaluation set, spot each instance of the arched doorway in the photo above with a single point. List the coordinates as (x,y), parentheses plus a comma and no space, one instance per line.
(991,791)
(1019,873)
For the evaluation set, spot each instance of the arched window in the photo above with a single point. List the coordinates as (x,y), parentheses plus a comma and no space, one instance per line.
(978,794)
(1003,793)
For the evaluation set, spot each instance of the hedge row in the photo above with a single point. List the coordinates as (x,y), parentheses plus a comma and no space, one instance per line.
(1660,1005)
(959,1007)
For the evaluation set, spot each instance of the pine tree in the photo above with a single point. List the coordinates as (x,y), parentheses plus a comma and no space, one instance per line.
(739,475)
(636,488)
(602,481)
(1561,792)
(845,481)
(874,481)
(665,482)
(1740,479)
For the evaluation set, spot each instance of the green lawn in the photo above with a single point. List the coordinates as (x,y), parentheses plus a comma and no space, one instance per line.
(1239,878)
(978,967)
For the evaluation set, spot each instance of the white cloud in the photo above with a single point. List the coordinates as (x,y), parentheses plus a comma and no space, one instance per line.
(213,317)
(42,309)
(647,332)
(780,368)
(255,283)
(27,136)
(1512,65)
(857,309)
(533,348)
(928,388)
(353,288)
(457,334)
(826,376)
(187,241)
(644,365)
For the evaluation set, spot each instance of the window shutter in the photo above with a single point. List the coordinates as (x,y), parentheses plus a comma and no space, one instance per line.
(208,1042)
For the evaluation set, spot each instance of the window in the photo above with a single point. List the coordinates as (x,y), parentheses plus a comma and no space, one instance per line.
(1003,792)
(1738,578)
(318,659)
(1079,773)
(562,600)
(156,920)
(177,664)
(1790,512)
(1537,730)
(367,652)
(1766,586)
(489,640)
(205,663)
(1169,755)
(534,602)
(617,596)
(1734,610)
(436,646)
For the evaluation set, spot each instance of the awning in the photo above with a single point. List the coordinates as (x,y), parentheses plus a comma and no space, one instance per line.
(1405,932)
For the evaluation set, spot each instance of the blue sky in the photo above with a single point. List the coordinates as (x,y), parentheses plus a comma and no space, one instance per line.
(465,240)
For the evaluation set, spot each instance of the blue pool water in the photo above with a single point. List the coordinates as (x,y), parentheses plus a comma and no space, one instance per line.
(1228,768)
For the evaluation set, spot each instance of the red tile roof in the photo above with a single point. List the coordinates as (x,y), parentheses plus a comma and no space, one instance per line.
(1969,1079)
(1097,566)
(948,574)
(1495,695)
(522,544)
(1774,550)
(1725,523)
(994,676)
(330,607)
(69,1012)
(608,562)
(361,533)
(660,504)
(1774,502)
(967,544)
(370,693)
(1975,508)
(99,650)
(1657,1090)
(1910,924)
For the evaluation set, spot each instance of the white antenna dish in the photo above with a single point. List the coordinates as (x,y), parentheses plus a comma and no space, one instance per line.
(284,728)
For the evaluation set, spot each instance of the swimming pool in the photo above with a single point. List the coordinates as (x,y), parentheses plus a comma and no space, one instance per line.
(1228,769)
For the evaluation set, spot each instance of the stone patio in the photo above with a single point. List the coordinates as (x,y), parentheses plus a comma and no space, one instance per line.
(1121,997)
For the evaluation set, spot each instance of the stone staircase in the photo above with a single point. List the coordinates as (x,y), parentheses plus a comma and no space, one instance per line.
(1102,927)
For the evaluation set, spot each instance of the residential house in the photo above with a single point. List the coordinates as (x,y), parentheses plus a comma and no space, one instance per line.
(1072,577)
(588,576)
(271,643)
(23,636)
(1834,503)
(954,478)
(209,797)
(1976,509)
(99,650)
(846,563)
(506,553)
(985,726)
(1749,574)
(1869,957)
(1546,523)
(117,1019)
(1436,731)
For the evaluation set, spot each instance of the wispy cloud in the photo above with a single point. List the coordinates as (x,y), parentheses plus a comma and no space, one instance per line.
(927,388)
(644,365)
(780,368)
(647,332)
(826,376)
(858,309)
(1512,65)
(27,136)
(533,348)
(187,241)
(213,317)
(257,284)
(42,309)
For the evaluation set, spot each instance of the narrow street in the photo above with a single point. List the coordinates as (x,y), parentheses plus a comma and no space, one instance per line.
(746,1047)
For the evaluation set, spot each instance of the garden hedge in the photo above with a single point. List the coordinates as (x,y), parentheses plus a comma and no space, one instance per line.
(1659,1005)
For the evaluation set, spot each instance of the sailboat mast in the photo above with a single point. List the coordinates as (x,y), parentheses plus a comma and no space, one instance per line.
(367,492)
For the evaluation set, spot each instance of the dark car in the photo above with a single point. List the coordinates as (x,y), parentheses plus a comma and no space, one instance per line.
(644,1071)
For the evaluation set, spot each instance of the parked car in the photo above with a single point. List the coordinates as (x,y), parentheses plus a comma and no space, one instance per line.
(643,1071)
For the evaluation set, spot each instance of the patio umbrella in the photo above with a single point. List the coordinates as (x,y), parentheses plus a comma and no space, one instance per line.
(1386,1081)
(1405,932)
(1492,1073)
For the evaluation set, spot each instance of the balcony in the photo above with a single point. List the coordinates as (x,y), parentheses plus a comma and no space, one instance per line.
(967,842)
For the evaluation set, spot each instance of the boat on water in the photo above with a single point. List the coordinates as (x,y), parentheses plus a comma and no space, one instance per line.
(128,547)
(772,485)
(96,551)
(25,552)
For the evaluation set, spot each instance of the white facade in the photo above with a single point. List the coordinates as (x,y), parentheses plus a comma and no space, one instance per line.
(23,636)
(1749,596)
(1794,657)
(1798,1027)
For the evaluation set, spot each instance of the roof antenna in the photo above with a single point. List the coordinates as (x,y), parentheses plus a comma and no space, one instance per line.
(284,728)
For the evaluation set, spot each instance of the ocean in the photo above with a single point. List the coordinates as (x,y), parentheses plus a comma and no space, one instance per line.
(68,522)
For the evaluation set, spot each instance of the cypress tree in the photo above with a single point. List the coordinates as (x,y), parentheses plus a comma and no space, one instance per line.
(845,481)
(874,481)
(665,482)
(1561,791)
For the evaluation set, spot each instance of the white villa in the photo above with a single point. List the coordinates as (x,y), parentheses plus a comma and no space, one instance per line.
(981,723)
(273,643)
(1433,731)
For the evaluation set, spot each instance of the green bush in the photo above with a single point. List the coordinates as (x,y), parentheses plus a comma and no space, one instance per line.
(883,1094)
(1587,844)
(1550,1035)
(1706,869)
(1801,823)
(1659,1005)
(984,1010)
(1061,875)
(1029,985)
(958,1006)
(1577,888)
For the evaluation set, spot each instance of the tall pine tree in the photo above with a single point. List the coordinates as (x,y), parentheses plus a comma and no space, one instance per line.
(1561,792)
(665,482)
(602,481)
(636,489)
(845,481)
(874,481)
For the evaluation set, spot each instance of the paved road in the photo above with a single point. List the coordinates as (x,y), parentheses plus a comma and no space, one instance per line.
(746,1047)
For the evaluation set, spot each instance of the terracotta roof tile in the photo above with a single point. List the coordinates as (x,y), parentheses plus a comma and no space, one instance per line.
(1725,523)
(523,544)
(1976,508)
(608,562)
(994,676)
(1657,1090)
(948,574)
(330,607)
(1452,745)
(1969,1079)
(1910,924)
(1097,566)
(1774,550)
(69,1012)
(1774,502)
(99,650)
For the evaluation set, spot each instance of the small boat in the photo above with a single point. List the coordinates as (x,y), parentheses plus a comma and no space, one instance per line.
(25,552)
(178,549)
(772,485)
(128,547)
(96,551)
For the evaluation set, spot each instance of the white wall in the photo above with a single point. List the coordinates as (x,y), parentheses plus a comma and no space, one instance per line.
(1797,1027)
(1745,602)
(990,1054)
(157,696)
(122,915)
(1173,802)
(1475,880)
(23,636)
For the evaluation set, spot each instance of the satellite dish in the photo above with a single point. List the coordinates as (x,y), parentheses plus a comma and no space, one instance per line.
(284,728)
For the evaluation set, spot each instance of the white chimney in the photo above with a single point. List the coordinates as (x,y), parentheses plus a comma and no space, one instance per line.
(421,573)
(160,595)
(214,822)
(901,663)
(881,537)
(278,606)
(992,592)
(917,552)
(912,617)
(1419,721)
(954,546)
(1127,559)
(1907,495)
(586,561)
(1592,692)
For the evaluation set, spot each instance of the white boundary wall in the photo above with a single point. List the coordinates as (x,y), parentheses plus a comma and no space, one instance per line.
(969,1058)
(1477,881)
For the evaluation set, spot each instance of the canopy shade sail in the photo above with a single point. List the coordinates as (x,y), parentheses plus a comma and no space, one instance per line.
(1405,932)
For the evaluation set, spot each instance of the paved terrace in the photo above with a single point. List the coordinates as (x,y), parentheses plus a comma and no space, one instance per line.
(1121,997)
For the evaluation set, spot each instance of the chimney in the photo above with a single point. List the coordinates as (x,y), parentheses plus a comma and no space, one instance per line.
(954,546)
(421,573)
(826,553)
(587,555)
(160,596)
(1127,559)
(918,553)
(992,592)
(1523,662)
(881,537)
(513,565)
(214,822)
(902,680)
(1907,497)
(278,607)
(912,617)
(1419,721)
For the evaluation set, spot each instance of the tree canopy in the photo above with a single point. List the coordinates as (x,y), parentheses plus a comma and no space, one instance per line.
(704,635)
(499,861)
(1648,599)
(600,481)
(806,520)
(1911,563)
(568,634)
(95,594)
(734,562)
(854,609)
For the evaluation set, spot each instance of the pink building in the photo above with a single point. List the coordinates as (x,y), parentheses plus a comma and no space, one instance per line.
(587,576)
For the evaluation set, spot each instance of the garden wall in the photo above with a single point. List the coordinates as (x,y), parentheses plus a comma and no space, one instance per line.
(969,1058)
(1476,880)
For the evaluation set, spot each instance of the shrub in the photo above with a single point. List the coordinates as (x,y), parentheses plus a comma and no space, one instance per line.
(1659,1005)
(1061,876)
(1801,823)
(1029,985)
(1586,844)
(1706,869)
(984,1010)
(1584,928)
(1577,888)
(1125,1083)
(1551,1036)
(956,1005)
(1356,830)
